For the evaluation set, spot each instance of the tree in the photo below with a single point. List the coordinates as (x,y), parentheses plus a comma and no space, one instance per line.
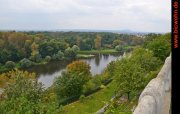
(78,41)
(70,53)
(161,46)
(47,58)
(71,82)
(5,55)
(24,95)
(75,48)
(146,59)
(119,48)
(79,67)
(68,85)
(34,48)
(58,56)
(129,78)
(117,42)
(98,42)
(25,63)
(36,58)
(10,64)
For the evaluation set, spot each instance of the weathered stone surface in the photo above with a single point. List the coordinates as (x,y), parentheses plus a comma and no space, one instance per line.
(146,106)
(155,98)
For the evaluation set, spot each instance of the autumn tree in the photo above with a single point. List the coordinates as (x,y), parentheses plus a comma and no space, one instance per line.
(79,67)
(35,56)
(71,82)
(25,95)
(34,48)
(78,41)
(97,42)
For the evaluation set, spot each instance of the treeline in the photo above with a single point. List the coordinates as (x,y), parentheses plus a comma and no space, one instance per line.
(29,48)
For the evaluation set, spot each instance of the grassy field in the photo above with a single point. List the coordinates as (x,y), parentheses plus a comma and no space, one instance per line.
(93,102)
(104,51)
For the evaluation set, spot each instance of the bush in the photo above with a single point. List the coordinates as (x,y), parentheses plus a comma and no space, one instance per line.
(36,58)
(24,63)
(81,98)
(161,46)
(68,85)
(47,58)
(58,56)
(75,48)
(89,86)
(70,53)
(24,95)
(10,64)
(119,48)
(102,86)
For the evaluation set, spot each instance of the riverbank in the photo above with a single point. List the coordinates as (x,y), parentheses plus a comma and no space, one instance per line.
(83,54)
(103,51)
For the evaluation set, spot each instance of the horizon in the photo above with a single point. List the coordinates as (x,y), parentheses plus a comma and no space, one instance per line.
(84,30)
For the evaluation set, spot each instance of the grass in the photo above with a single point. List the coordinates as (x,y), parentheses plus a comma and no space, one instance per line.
(92,103)
(96,101)
(123,108)
(103,51)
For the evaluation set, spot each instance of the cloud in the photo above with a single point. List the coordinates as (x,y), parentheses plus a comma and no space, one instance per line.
(139,15)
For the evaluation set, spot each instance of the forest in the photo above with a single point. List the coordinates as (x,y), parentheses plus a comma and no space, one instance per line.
(24,49)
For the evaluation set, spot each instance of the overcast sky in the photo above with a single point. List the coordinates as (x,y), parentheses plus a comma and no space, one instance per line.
(137,15)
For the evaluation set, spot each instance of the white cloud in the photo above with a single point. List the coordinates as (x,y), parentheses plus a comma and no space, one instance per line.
(141,15)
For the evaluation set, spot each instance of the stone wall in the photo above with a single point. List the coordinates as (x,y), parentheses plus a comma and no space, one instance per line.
(153,98)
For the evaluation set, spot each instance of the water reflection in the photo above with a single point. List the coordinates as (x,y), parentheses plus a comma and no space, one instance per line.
(47,73)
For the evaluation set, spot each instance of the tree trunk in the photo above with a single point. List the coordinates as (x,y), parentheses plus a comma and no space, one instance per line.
(128,93)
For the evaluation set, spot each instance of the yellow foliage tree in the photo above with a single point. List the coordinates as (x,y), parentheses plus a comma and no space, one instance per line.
(98,42)
(79,67)
(34,48)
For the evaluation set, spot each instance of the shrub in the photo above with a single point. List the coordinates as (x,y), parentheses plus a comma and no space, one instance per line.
(119,48)
(79,67)
(24,63)
(81,98)
(102,86)
(161,46)
(10,64)
(36,58)
(89,86)
(75,48)
(47,58)
(68,85)
(58,56)
(24,95)
(70,53)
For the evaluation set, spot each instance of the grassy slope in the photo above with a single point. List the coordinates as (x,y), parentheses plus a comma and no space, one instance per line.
(91,103)
(96,101)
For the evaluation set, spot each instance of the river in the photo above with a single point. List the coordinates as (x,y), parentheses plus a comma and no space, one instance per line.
(47,73)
